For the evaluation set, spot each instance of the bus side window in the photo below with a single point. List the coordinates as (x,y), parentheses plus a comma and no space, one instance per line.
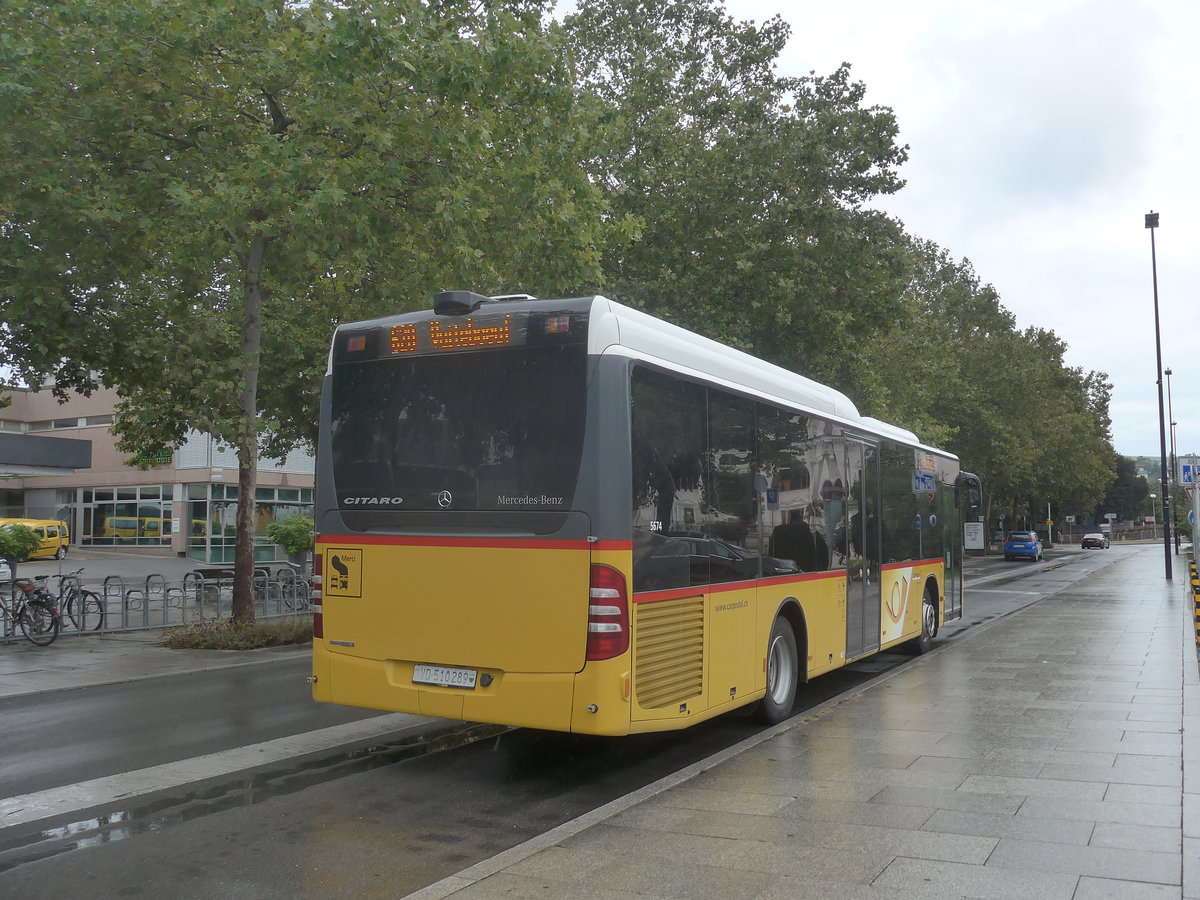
(799,523)
(668,420)
(731,526)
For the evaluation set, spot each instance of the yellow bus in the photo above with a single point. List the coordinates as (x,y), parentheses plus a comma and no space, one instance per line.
(570,515)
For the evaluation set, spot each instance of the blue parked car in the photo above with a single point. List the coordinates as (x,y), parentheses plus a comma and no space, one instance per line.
(1023,544)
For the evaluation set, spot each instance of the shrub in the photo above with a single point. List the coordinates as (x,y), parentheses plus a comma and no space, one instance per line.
(294,535)
(226,634)
(17,542)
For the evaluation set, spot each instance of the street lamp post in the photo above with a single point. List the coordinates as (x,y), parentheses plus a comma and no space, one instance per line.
(1152,224)
(1153,525)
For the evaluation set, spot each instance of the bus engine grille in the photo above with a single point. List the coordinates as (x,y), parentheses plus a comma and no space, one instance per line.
(668,665)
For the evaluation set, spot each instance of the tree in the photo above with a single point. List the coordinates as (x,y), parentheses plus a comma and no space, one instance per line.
(956,369)
(1127,492)
(196,193)
(750,186)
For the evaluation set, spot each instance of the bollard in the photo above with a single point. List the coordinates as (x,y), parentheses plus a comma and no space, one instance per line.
(1195,598)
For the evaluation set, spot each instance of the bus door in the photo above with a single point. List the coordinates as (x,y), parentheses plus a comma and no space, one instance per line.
(952,555)
(967,497)
(863,593)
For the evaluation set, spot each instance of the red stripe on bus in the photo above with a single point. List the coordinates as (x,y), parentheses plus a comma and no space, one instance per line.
(725,587)
(397,540)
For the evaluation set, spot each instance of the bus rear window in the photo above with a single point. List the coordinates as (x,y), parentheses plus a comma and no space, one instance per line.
(492,430)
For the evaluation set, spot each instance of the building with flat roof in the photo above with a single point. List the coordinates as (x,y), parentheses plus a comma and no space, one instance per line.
(60,461)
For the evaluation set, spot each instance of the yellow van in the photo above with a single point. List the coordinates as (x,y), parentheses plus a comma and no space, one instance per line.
(55,536)
(123,528)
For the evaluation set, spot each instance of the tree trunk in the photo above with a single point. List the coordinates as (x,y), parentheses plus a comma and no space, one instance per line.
(243,556)
(243,553)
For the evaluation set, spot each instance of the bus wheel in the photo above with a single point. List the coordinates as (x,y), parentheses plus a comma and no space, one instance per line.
(783,673)
(929,625)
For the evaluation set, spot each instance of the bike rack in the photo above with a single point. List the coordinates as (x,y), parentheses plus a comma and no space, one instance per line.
(201,595)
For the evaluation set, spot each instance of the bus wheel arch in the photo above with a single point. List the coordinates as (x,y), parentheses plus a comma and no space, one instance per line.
(787,649)
(923,643)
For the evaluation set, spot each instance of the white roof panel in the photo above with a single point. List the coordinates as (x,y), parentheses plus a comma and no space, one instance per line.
(621,329)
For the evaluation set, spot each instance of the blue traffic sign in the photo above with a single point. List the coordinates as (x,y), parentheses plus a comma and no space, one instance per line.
(1189,474)
(924,483)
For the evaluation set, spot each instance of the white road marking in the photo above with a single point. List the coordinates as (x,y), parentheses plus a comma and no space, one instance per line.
(27,808)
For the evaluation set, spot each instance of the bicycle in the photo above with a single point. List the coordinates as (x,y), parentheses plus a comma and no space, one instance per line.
(33,610)
(79,605)
(296,588)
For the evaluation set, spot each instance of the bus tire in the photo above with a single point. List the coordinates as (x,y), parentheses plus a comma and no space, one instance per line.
(929,625)
(783,673)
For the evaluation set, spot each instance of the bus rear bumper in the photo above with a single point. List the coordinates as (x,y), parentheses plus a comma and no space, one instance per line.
(525,700)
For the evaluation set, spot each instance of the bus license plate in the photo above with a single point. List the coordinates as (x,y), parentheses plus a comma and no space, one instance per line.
(444,676)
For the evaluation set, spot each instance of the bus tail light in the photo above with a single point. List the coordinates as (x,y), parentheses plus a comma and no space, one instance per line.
(318,610)
(608,614)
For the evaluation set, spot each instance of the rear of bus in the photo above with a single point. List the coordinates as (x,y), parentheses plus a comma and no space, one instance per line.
(465,574)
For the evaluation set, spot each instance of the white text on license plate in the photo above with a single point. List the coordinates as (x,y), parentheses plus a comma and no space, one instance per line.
(444,676)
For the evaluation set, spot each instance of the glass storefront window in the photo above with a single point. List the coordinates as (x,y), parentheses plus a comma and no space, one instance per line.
(137,517)
(213,531)
(145,516)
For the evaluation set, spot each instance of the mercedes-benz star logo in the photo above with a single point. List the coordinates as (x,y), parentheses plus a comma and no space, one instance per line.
(445,498)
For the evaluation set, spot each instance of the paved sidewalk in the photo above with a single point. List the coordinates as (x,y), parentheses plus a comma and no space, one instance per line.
(75,661)
(1052,753)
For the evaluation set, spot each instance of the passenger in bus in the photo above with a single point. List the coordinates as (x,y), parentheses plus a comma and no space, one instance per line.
(796,541)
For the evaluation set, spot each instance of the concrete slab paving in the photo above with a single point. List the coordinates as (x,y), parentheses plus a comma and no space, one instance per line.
(1049,753)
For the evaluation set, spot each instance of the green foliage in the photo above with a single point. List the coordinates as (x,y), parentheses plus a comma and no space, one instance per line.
(195,194)
(956,369)
(749,186)
(17,542)
(372,152)
(226,634)
(294,534)
(1126,496)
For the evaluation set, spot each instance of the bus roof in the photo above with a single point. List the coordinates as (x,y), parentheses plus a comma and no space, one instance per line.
(614,326)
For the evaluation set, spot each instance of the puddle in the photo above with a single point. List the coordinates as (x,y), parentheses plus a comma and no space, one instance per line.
(159,811)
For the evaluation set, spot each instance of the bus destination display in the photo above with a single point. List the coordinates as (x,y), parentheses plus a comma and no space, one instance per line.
(451,335)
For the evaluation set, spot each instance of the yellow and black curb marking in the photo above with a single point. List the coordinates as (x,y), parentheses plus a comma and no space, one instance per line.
(1195,597)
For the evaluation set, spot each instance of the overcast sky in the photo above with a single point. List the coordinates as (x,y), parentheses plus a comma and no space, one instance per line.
(1041,132)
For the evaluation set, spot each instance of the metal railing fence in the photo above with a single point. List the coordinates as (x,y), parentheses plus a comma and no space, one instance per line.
(155,602)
